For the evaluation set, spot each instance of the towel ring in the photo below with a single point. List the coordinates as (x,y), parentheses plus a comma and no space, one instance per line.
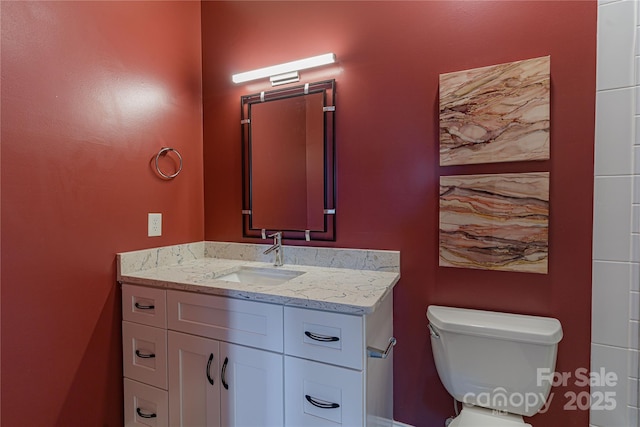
(165,150)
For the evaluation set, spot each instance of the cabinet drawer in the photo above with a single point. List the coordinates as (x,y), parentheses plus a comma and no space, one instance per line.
(250,323)
(145,353)
(145,406)
(144,305)
(322,395)
(327,337)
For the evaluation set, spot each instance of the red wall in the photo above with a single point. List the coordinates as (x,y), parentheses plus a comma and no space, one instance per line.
(389,57)
(90,92)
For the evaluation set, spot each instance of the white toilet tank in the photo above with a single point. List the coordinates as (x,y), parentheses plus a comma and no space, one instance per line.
(495,360)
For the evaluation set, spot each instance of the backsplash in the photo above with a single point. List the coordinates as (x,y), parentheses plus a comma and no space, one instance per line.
(356,259)
(146,259)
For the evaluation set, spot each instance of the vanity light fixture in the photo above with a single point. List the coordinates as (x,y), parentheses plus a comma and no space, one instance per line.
(285,73)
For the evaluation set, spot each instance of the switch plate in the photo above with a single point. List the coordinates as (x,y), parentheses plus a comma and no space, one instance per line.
(155,225)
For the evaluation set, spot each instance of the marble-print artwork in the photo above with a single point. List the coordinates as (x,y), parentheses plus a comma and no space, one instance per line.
(495,222)
(495,114)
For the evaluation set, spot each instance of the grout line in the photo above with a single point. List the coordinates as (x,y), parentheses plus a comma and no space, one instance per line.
(631,86)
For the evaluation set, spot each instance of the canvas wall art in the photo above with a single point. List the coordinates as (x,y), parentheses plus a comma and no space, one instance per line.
(494,114)
(495,222)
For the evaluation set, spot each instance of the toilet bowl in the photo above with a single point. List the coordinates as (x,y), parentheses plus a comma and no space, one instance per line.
(493,363)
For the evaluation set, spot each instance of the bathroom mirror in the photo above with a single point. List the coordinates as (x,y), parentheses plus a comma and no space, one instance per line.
(288,162)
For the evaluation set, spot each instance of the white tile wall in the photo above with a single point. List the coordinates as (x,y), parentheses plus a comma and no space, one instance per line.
(616,28)
(633,415)
(614,130)
(610,322)
(633,336)
(612,218)
(616,221)
(612,359)
(633,362)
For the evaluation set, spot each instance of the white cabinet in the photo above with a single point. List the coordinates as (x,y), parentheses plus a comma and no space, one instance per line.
(144,406)
(323,336)
(249,323)
(144,343)
(194,360)
(330,378)
(144,305)
(145,354)
(247,383)
(214,383)
(194,381)
(252,387)
(318,394)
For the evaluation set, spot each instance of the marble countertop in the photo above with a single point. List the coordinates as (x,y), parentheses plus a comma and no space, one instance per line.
(345,290)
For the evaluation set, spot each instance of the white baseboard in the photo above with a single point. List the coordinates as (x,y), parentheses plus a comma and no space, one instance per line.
(375,421)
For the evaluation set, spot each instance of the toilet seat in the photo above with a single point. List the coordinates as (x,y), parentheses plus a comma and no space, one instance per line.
(475,416)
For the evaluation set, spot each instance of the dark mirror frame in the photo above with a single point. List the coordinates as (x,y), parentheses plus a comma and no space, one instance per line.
(326,87)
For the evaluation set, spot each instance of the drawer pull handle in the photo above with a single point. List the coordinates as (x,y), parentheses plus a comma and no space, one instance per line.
(144,307)
(145,356)
(321,403)
(224,370)
(209,369)
(323,338)
(143,415)
(376,353)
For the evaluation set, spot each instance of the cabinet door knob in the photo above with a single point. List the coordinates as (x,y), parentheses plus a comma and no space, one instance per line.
(321,403)
(224,370)
(209,369)
(323,338)
(143,415)
(145,355)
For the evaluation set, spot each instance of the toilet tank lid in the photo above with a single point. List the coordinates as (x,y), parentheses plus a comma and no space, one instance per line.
(513,327)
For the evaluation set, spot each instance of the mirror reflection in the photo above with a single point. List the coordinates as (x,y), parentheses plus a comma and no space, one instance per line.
(288,162)
(287,171)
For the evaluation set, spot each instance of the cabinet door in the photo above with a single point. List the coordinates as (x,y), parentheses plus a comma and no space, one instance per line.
(194,381)
(252,387)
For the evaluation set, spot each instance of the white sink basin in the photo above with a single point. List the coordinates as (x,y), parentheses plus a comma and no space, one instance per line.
(260,276)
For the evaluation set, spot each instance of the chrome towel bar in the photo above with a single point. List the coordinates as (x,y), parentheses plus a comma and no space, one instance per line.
(376,353)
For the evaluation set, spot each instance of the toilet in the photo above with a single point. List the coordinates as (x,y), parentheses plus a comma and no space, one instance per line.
(499,365)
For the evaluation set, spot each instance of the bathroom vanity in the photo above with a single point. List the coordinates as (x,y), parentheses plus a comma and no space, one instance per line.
(214,335)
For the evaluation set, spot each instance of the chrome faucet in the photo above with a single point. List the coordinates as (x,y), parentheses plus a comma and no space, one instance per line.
(277,246)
